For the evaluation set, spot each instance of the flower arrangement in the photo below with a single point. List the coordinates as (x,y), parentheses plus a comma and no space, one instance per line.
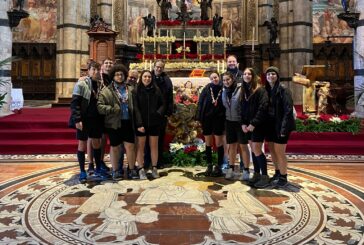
(180,49)
(162,39)
(183,155)
(169,23)
(211,39)
(327,123)
(190,23)
(179,65)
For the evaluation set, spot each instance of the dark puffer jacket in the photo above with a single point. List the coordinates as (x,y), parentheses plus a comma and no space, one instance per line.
(149,105)
(280,109)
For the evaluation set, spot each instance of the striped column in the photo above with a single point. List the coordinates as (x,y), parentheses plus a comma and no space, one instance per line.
(72,43)
(295,39)
(104,9)
(359,62)
(265,13)
(6,40)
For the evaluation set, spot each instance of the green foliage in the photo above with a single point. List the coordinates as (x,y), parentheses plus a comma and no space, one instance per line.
(182,159)
(2,82)
(351,125)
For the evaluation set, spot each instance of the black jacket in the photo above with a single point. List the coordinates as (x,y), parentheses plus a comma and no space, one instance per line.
(149,105)
(206,110)
(255,108)
(280,108)
(165,85)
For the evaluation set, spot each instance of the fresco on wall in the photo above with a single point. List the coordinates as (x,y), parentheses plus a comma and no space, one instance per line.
(326,24)
(40,26)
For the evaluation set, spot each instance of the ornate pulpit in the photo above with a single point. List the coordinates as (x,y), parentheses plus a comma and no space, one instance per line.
(102,41)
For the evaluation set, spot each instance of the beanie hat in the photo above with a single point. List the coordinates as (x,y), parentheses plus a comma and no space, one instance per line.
(272,68)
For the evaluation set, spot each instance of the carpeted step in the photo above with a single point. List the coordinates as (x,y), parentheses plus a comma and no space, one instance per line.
(326,147)
(51,146)
(38,133)
(342,136)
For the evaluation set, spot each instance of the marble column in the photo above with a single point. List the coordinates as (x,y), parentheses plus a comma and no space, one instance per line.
(72,43)
(265,13)
(295,39)
(120,20)
(359,62)
(6,40)
(104,9)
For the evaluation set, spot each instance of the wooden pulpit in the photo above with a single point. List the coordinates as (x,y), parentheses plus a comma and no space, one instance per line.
(102,41)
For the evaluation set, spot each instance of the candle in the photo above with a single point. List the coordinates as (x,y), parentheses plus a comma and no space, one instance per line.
(150,65)
(218,66)
(154,38)
(231,33)
(253,39)
(221,7)
(145,64)
(184,40)
(138,36)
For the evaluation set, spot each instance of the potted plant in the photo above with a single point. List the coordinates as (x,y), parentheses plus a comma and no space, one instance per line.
(3,82)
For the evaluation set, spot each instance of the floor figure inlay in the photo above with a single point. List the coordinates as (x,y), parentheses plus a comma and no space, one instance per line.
(178,208)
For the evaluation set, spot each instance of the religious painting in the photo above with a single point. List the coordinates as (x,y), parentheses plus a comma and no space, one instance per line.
(136,11)
(231,22)
(325,22)
(40,26)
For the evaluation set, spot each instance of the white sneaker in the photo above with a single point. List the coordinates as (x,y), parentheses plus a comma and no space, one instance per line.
(155,173)
(229,174)
(142,174)
(245,176)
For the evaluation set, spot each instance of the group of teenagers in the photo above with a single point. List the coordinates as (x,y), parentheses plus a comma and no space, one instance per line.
(133,111)
(238,109)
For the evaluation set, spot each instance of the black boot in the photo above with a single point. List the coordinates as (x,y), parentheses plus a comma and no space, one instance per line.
(208,170)
(217,172)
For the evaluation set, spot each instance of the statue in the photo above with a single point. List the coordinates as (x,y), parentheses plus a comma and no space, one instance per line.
(216,25)
(204,5)
(272,26)
(309,103)
(323,94)
(183,15)
(165,6)
(149,24)
(19,4)
(310,74)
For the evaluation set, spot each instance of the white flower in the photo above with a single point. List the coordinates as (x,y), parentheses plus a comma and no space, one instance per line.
(179,50)
(335,120)
(174,147)
(187,49)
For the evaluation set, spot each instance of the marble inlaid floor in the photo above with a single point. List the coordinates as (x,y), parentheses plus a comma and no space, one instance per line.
(42,202)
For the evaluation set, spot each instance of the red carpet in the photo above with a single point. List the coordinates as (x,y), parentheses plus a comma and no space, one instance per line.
(45,131)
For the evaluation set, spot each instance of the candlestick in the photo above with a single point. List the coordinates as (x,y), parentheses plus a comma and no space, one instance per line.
(155,38)
(213,33)
(150,65)
(223,66)
(231,33)
(253,39)
(145,64)
(218,66)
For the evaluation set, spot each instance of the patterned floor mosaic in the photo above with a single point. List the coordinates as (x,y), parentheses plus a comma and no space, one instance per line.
(179,208)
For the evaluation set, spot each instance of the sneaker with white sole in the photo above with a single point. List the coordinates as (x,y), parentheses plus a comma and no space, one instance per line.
(155,173)
(229,174)
(245,176)
(142,174)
